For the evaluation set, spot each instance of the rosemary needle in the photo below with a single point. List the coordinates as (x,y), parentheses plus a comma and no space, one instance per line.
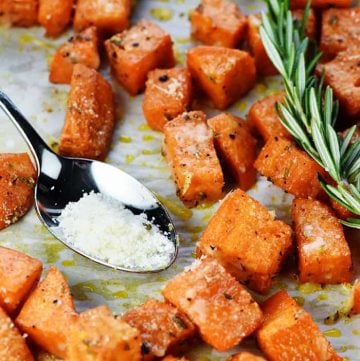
(310,111)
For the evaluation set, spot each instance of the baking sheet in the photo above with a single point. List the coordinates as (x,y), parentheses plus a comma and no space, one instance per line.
(24,56)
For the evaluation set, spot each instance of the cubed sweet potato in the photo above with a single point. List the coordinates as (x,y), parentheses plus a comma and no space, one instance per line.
(168,94)
(245,356)
(20,12)
(90,118)
(264,66)
(341,212)
(109,16)
(190,151)
(218,22)
(12,345)
(174,358)
(79,49)
(18,276)
(300,4)
(343,75)
(290,168)
(134,52)
(289,333)
(356,297)
(340,31)
(241,233)
(98,336)
(236,146)
(263,116)
(162,327)
(55,15)
(220,307)
(17,182)
(324,256)
(48,314)
(225,75)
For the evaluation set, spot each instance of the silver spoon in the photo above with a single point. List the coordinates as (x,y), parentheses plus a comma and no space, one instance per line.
(62,180)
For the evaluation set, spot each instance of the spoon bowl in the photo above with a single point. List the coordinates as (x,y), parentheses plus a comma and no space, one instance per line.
(62,180)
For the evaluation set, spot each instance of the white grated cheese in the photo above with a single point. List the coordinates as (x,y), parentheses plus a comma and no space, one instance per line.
(104,229)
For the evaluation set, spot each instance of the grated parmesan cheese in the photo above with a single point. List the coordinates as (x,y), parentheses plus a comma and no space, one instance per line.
(104,229)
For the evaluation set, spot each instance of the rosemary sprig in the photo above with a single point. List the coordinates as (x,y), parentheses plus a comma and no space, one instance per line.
(309,111)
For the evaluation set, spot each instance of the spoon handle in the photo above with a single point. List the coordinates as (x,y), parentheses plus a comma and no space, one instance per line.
(32,138)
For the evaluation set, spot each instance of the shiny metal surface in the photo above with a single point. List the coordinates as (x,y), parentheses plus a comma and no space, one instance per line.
(62,180)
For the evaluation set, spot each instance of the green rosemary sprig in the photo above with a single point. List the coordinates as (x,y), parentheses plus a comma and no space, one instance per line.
(309,111)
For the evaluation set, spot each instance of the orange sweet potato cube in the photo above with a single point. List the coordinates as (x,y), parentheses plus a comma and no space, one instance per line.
(18,276)
(12,345)
(90,118)
(109,16)
(245,356)
(168,94)
(134,52)
(55,15)
(17,181)
(225,75)
(339,31)
(48,314)
(236,146)
(173,358)
(343,75)
(263,116)
(324,256)
(162,327)
(300,4)
(20,12)
(79,49)
(290,168)
(242,232)
(289,333)
(98,336)
(264,66)
(356,297)
(218,22)
(220,307)
(190,151)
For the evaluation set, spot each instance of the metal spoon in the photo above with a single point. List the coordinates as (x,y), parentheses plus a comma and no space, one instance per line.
(62,180)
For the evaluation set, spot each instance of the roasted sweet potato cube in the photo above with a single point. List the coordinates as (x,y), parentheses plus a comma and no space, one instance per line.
(134,52)
(48,314)
(300,4)
(79,49)
(356,297)
(20,12)
(236,146)
(174,358)
(264,66)
(168,94)
(55,15)
(225,75)
(98,336)
(12,345)
(245,356)
(218,22)
(17,182)
(18,276)
(289,333)
(162,327)
(263,116)
(343,75)
(290,168)
(190,151)
(109,16)
(340,30)
(241,232)
(324,256)
(220,307)
(90,118)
